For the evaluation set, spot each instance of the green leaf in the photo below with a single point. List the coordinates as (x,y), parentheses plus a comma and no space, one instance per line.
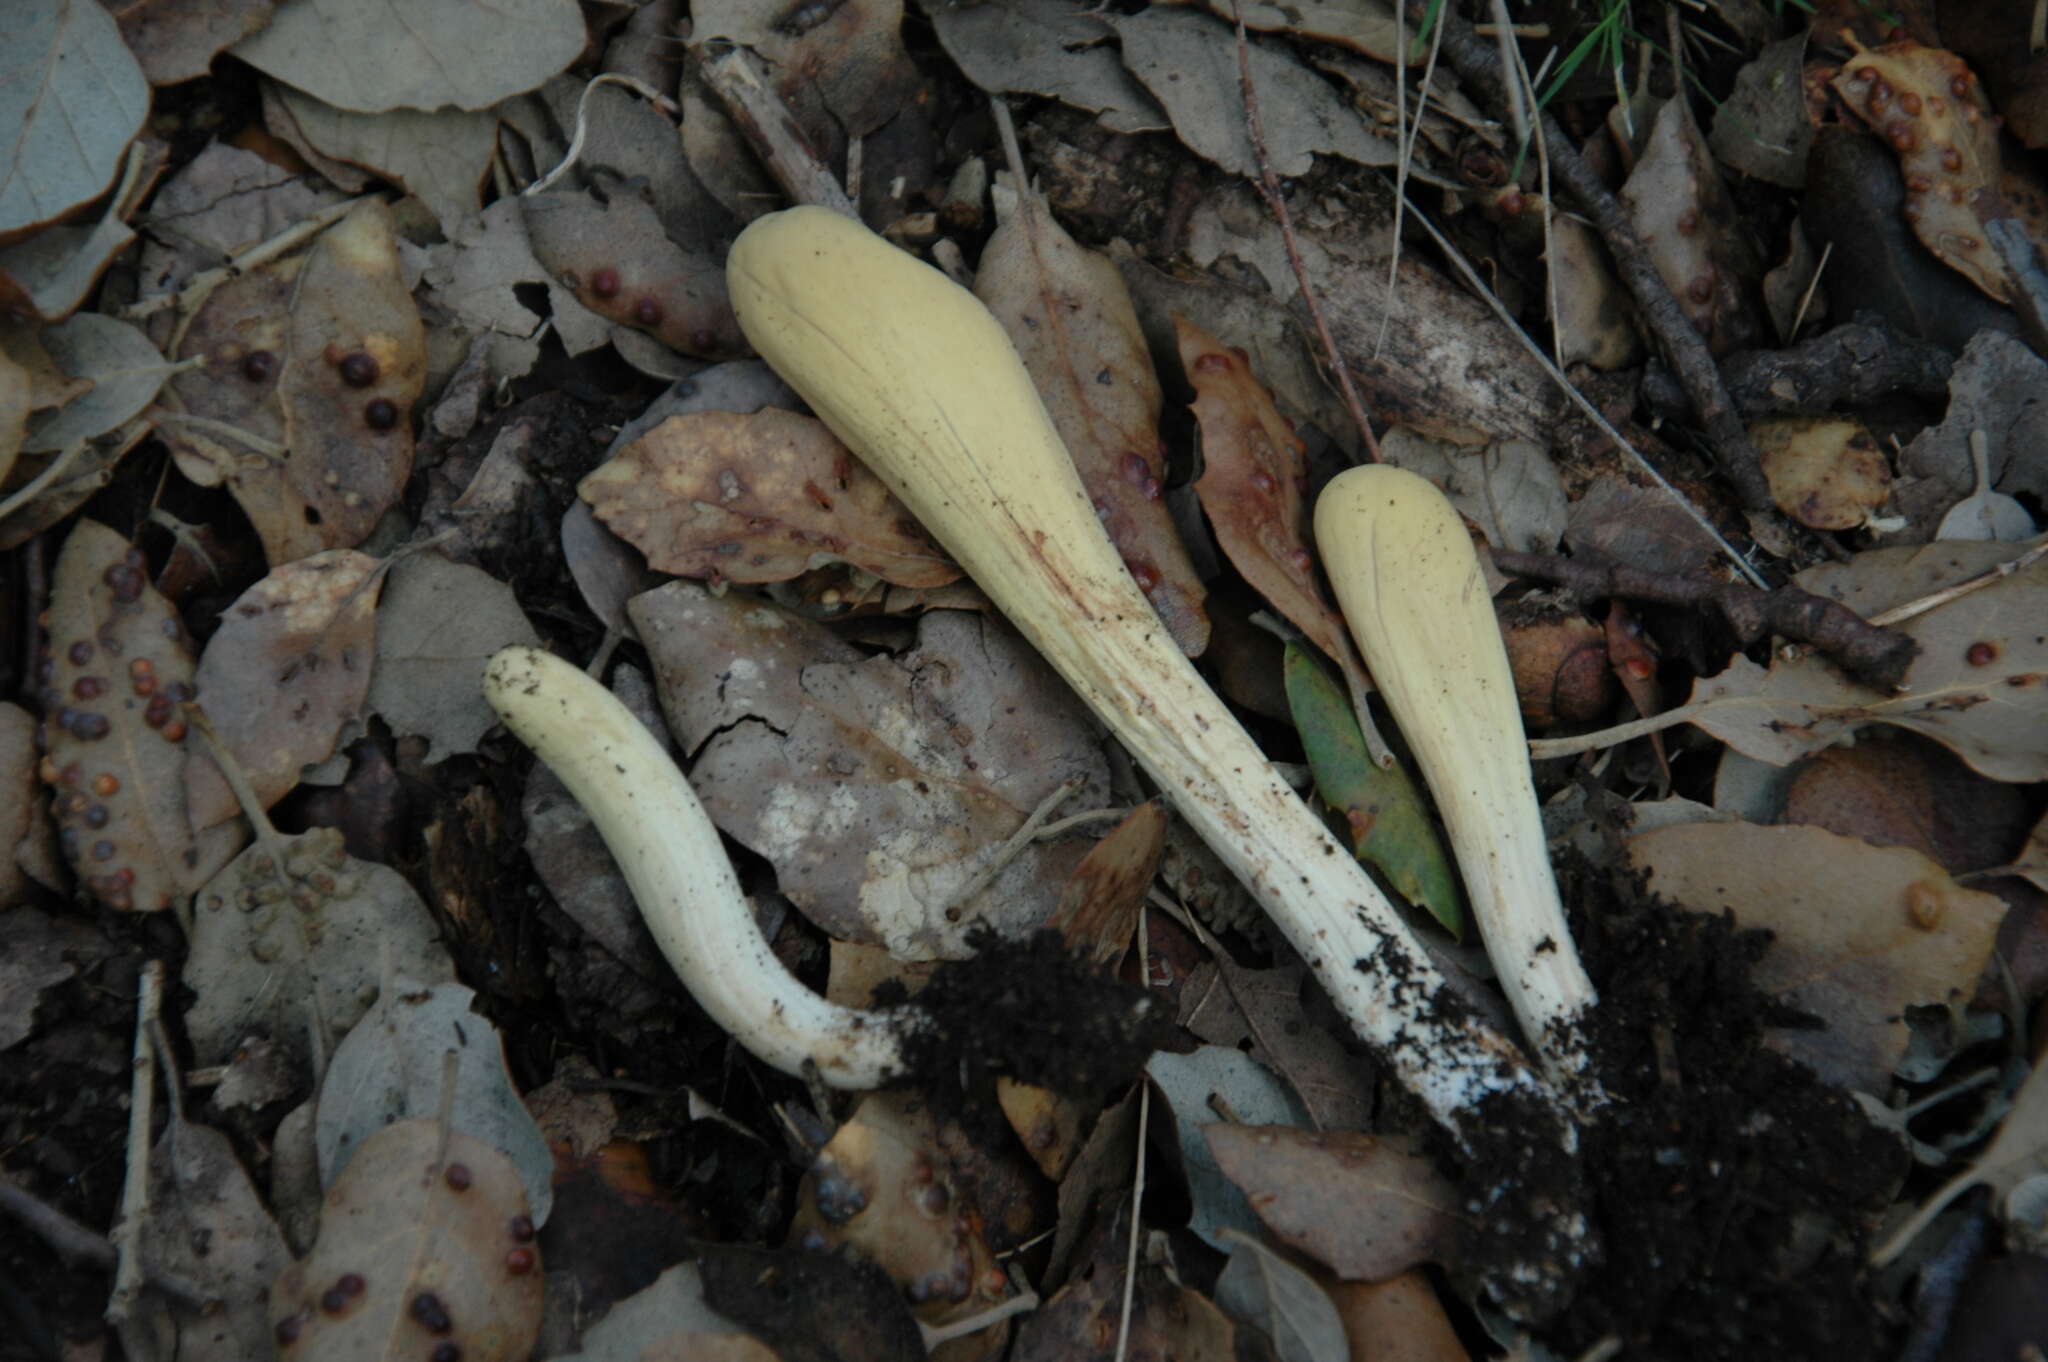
(1386,821)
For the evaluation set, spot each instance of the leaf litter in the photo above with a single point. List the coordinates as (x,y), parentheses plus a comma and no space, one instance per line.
(233,244)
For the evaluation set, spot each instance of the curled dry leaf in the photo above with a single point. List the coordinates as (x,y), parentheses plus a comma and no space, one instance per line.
(1254,485)
(1860,932)
(1099,907)
(1979,685)
(118,668)
(758,498)
(426,1239)
(287,942)
(1069,315)
(1826,472)
(1928,106)
(1368,1207)
(288,667)
(312,364)
(621,265)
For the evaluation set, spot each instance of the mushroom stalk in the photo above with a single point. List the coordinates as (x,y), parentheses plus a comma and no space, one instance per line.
(676,866)
(1409,583)
(912,372)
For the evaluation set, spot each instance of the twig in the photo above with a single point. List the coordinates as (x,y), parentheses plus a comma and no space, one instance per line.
(127,1235)
(1269,187)
(1876,656)
(1687,353)
(767,124)
(1928,602)
(201,286)
(1014,845)
(576,140)
(53,470)
(1853,363)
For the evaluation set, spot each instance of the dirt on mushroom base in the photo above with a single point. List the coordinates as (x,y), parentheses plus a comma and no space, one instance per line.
(1734,1193)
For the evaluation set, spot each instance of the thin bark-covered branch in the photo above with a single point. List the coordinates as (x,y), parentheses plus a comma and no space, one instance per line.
(1479,66)
(1875,656)
(1852,363)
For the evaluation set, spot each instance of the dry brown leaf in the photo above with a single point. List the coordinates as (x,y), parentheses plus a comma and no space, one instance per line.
(1826,472)
(1978,687)
(1099,907)
(1928,106)
(1900,790)
(758,498)
(1402,1317)
(425,1238)
(1168,1319)
(118,669)
(1369,1207)
(175,40)
(1696,238)
(24,815)
(1861,932)
(877,786)
(848,56)
(322,355)
(1254,485)
(207,1225)
(287,669)
(1069,315)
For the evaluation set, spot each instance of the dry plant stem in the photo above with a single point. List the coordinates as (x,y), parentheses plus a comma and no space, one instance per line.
(127,1235)
(575,151)
(1269,187)
(1942,597)
(53,470)
(772,131)
(676,866)
(1687,353)
(920,381)
(200,286)
(1875,656)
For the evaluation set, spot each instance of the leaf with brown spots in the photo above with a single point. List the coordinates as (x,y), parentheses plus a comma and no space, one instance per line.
(623,266)
(288,667)
(1696,238)
(1927,105)
(758,498)
(1254,485)
(118,669)
(312,364)
(1071,319)
(425,1239)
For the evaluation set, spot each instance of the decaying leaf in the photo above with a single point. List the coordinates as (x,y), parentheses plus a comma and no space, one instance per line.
(620,264)
(1366,26)
(176,42)
(118,669)
(1928,105)
(849,56)
(1192,1085)
(1189,61)
(425,1240)
(287,946)
(884,1185)
(668,1321)
(1978,687)
(1368,1207)
(476,275)
(41,953)
(1099,907)
(758,498)
(1168,1318)
(438,623)
(287,669)
(392,1067)
(2017,1155)
(25,829)
(1069,315)
(1047,47)
(1386,822)
(1763,128)
(1860,932)
(1254,485)
(207,1226)
(71,98)
(312,365)
(123,369)
(879,787)
(1595,324)
(443,156)
(1261,1011)
(1696,238)
(1265,1290)
(1826,472)
(469,53)
(1511,489)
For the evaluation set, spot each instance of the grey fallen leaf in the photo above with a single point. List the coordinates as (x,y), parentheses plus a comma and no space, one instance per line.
(669,1314)
(436,626)
(35,957)
(443,157)
(1189,61)
(1193,1085)
(1263,1289)
(1046,47)
(1511,490)
(207,1226)
(469,53)
(71,97)
(289,937)
(390,1068)
(125,370)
